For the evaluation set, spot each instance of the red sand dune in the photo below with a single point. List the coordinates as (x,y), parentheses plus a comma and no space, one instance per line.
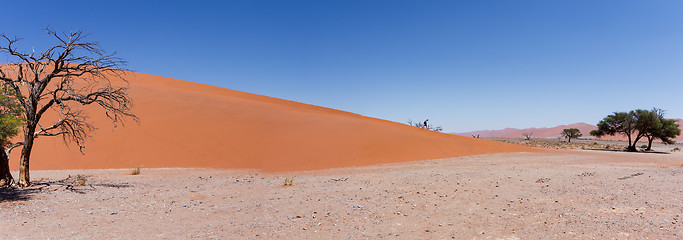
(185,124)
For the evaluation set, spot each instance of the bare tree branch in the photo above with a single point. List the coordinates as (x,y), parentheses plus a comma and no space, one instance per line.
(63,79)
(13,146)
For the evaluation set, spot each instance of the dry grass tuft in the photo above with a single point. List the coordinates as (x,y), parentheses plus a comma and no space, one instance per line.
(135,171)
(289,181)
(81,180)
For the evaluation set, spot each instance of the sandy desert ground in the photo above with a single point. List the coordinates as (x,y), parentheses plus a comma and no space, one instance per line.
(556,194)
(187,128)
(215,160)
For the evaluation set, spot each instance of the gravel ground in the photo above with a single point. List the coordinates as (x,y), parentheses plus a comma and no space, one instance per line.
(558,194)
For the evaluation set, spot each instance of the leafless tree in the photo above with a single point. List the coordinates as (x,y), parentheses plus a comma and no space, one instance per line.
(62,80)
(527,135)
(425,125)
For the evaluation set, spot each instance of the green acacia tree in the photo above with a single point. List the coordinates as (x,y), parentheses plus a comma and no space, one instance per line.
(637,124)
(10,122)
(620,123)
(570,133)
(662,129)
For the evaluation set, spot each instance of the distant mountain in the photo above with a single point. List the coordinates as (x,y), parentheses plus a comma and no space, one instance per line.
(554,132)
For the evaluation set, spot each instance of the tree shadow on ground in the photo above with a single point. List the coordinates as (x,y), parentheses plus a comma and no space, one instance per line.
(17,194)
(621,150)
(75,186)
(24,194)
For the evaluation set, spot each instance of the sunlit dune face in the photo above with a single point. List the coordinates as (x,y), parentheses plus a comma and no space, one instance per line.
(185,124)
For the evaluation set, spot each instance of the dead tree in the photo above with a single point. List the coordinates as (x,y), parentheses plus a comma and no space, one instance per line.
(527,135)
(62,80)
(424,125)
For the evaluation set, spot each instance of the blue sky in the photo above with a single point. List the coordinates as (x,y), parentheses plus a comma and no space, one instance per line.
(465,65)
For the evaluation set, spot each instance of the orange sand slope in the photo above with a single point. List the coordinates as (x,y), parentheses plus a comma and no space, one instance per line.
(185,124)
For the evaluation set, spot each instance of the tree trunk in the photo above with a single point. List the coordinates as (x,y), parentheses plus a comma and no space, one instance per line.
(633,147)
(569,140)
(24,176)
(649,143)
(6,178)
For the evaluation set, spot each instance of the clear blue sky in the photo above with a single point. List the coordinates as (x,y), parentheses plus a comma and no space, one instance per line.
(465,65)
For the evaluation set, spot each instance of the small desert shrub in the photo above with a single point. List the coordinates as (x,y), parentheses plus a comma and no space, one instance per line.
(644,146)
(289,181)
(135,171)
(676,150)
(81,180)
(595,143)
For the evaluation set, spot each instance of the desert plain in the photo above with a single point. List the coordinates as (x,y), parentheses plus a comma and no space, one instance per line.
(553,194)
(214,163)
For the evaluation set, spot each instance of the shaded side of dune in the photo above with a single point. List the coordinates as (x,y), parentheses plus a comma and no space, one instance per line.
(185,124)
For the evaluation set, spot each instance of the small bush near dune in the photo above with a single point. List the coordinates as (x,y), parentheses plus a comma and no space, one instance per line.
(81,180)
(289,181)
(676,150)
(644,146)
(135,171)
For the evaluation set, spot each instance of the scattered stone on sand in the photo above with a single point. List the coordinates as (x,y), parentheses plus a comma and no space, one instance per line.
(478,197)
(630,176)
(543,180)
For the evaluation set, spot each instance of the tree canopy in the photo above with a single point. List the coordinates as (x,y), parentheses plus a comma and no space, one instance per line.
(10,123)
(637,124)
(10,116)
(60,80)
(570,133)
(663,129)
